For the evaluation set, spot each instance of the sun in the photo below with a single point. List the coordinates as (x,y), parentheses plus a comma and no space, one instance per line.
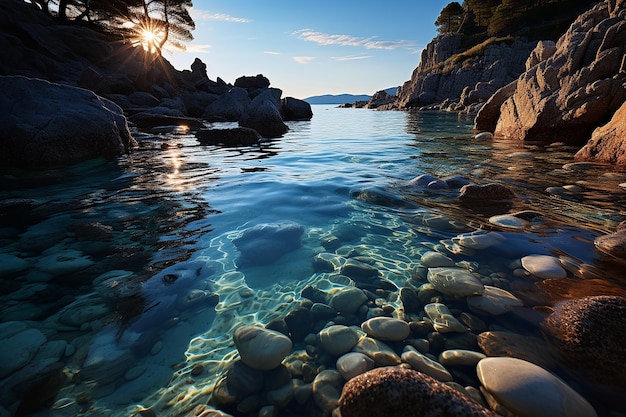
(149,36)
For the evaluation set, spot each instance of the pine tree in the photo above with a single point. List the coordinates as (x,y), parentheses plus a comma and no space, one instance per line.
(450,18)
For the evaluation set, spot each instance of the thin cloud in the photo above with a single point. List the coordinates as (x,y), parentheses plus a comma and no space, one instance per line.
(351,57)
(271,53)
(198,14)
(198,49)
(303,59)
(348,40)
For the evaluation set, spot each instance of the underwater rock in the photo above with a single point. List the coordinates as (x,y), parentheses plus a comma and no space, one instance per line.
(424,364)
(455,281)
(528,390)
(347,300)
(386,328)
(359,271)
(432,259)
(381,353)
(613,244)
(399,392)
(327,390)
(475,194)
(265,243)
(338,339)
(442,318)
(494,301)
(19,349)
(236,136)
(589,332)
(260,348)
(460,357)
(544,266)
(354,363)
(298,321)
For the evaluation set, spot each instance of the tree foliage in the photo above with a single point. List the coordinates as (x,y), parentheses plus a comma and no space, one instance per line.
(152,24)
(450,18)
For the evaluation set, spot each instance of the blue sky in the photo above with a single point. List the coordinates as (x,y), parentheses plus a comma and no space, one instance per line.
(312,47)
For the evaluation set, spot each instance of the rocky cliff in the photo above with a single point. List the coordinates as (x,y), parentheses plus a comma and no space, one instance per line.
(459,78)
(571,92)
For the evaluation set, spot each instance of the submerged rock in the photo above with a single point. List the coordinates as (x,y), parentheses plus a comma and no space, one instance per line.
(236,136)
(529,390)
(544,266)
(265,243)
(260,348)
(399,392)
(473,193)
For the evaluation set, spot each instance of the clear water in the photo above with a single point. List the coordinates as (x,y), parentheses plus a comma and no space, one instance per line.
(120,261)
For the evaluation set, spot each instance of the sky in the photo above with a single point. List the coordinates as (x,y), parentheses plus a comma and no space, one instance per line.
(311,47)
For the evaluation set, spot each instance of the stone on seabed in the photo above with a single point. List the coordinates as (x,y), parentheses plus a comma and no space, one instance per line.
(528,390)
(399,392)
(544,266)
(261,348)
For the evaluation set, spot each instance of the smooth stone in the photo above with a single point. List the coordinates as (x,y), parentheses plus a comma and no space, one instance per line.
(260,348)
(19,349)
(347,300)
(338,339)
(327,390)
(265,243)
(544,266)
(327,262)
(494,301)
(358,271)
(353,364)
(613,244)
(280,397)
(509,221)
(421,180)
(460,357)
(400,392)
(528,390)
(484,136)
(522,346)
(442,318)
(432,259)
(479,241)
(423,363)
(454,281)
(83,310)
(473,193)
(378,351)
(64,262)
(386,328)
(11,264)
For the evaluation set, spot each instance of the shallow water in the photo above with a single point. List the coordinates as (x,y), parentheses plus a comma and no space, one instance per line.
(122,263)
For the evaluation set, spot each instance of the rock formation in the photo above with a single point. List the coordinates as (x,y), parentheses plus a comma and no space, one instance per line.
(579,87)
(460,78)
(607,142)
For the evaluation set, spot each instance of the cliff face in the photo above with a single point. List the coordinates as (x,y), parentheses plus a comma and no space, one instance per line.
(578,88)
(460,79)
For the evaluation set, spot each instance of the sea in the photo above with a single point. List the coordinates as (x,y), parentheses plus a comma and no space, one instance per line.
(122,281)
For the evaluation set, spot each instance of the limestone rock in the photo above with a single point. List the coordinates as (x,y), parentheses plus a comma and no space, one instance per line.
(577,88)
(528,390)
(607,142)
(47,123)
(260,348)
(399,392)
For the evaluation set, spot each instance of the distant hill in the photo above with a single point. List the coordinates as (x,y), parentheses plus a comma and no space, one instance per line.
(343,98)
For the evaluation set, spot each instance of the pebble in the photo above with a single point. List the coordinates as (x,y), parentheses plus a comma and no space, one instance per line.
(358,271)
(386,328)
(544,266)
(479,240)
(460,357)
(338,339)
(509,221)
(432,259)
(423,363)
(347,300)
(494,301)
(260,348)
(378,351)
(353,364)
(528,390)
(484,136)
(327,387)
(454,281)
(442,318)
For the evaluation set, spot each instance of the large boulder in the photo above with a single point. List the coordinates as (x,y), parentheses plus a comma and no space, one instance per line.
(48,123)
(236,136)
(577,88)
(230,106)
(295,109)
(252,82)
(263,115)
(607,142)
(400,392)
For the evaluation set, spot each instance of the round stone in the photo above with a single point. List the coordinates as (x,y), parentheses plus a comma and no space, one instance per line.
(347,300)
(454,281)
(544,266)
(260,348)
(432,259)
(460,357)
(528,390)
(399,392)
(479,240)
(338,339)
(494,301)
(386,328)
(442,318)
(423,363)
(353,364)
(378,351)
